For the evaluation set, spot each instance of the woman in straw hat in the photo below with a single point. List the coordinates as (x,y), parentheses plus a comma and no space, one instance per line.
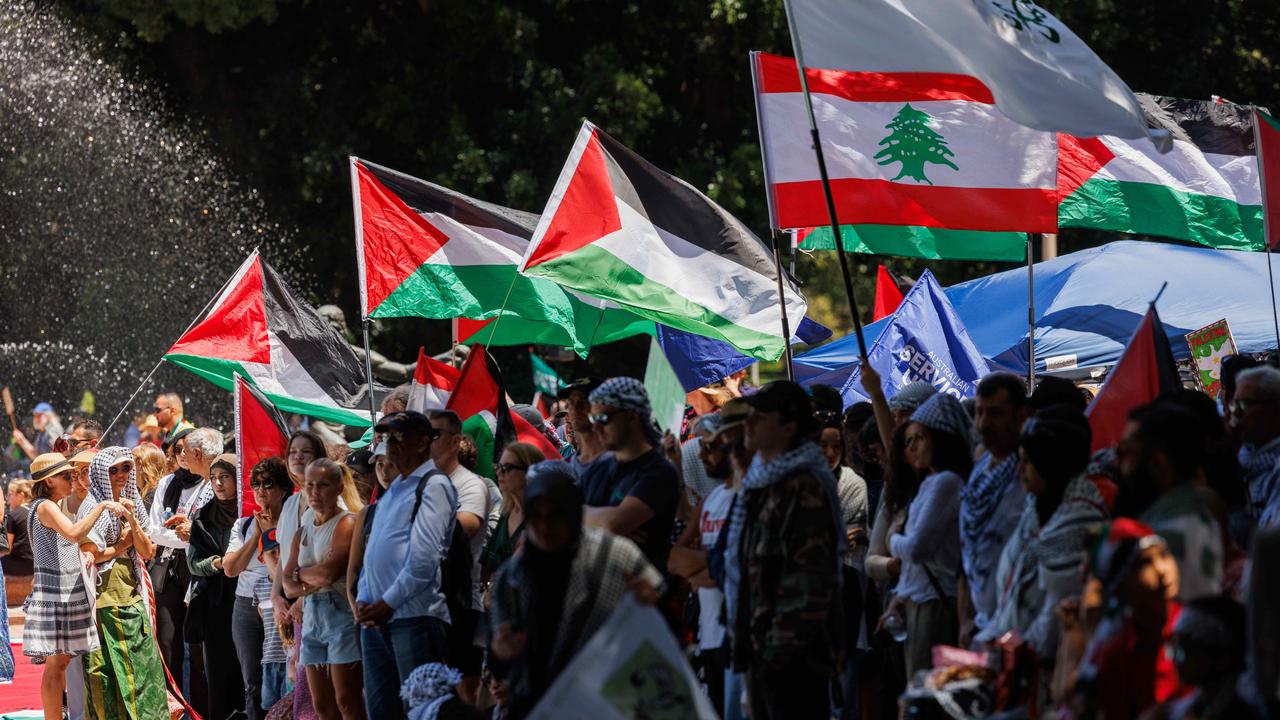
(59,611)
(125,678)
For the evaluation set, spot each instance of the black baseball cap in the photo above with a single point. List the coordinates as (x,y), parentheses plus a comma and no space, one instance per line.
(586,384)
(361,461)
(404,420)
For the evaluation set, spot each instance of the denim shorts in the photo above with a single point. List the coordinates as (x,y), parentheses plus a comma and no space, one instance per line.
(329,633)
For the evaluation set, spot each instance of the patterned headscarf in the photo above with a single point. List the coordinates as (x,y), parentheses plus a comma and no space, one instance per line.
(624,393)
(912,396)
(428,688)
(108,527)
(943,413)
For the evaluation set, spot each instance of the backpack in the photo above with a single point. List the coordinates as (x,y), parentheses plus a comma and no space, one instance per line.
(455,570)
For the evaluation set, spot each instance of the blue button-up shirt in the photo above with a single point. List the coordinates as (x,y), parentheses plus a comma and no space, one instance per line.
(403,556)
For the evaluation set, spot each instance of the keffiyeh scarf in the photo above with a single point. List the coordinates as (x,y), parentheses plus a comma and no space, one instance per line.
(109,527)
(428,688)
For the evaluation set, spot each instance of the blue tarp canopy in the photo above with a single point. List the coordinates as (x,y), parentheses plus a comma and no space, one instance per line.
(1089,302)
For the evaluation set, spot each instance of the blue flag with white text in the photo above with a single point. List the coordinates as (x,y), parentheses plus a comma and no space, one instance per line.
(924,341)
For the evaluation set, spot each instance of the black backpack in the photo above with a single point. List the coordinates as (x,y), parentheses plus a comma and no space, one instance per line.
(455,571)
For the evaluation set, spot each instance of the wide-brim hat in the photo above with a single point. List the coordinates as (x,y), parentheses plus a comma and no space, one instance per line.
(84,457)
(47,465)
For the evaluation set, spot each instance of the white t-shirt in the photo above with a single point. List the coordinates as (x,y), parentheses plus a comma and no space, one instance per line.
(474,498)
(715,513)
(256,569)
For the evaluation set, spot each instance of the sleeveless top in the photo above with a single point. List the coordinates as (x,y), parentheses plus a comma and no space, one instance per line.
(60,616)
(314,544)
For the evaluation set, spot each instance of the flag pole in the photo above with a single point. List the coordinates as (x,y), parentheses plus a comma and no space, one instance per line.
(782,306)
(826,184)
(453,344)
(366,323)
(1031,312)
(1266,231)
(159,362)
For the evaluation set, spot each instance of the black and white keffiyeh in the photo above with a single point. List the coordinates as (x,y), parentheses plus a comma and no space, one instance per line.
(427,688)
(109,527)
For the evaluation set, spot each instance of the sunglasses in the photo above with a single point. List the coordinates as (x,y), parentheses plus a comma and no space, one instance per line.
(120,469)
(499,468)
(601,419)
(67,442)
(262,484)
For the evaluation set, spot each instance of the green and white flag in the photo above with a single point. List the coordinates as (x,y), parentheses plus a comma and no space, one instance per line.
(545,379)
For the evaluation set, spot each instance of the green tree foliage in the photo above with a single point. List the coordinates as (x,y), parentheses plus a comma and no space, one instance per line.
(486,97)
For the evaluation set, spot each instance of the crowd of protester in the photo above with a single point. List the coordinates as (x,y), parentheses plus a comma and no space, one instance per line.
(917,555)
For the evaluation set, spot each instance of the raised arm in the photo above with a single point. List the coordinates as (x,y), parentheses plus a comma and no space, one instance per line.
(241,550)
(884,417)
(51,517)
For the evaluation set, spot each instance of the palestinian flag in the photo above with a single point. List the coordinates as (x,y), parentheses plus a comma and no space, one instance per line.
(261,433)
(433,382)
(427,251)
(929,150)
(258,328)
(481,403)
(1204,190)
(618,228)
(1145,370)
(1267,138)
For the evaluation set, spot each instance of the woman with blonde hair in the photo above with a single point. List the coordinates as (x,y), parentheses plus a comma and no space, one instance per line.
(149,461)
(510,470)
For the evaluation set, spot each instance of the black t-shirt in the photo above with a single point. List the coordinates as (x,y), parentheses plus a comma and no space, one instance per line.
(18,561)
(651,479)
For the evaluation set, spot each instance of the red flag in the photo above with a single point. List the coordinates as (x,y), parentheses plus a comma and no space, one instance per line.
(1266,134)
(260,434)
(888,296)
(1145,370)
(481,403)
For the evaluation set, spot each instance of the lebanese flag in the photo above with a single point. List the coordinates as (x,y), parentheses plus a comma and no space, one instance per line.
(616,227)
(1267,137)
(909,149)
(888,296)
(433,382)
(481,403)
(261,433)
(258,328)
(1145,370)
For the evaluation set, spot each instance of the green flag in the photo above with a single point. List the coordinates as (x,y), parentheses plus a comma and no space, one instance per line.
(666,394)
(545,379)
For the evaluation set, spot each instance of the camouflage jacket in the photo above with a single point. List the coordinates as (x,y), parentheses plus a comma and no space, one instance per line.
(789,612)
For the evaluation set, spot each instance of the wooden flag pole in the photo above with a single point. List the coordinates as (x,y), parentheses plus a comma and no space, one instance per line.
(826,185)
(782,307)
(1031,312)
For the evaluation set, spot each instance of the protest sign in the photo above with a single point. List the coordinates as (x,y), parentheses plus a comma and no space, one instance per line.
(1209,345)
(666,394)
(631,668)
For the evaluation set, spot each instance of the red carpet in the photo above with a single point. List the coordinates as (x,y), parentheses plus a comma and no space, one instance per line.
(24,692)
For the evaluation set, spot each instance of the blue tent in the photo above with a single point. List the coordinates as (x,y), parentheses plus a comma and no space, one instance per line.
(1089,302)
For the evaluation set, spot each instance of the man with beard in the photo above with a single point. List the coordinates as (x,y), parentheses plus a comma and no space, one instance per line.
(689,555)
(992,500)
(1160,456)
